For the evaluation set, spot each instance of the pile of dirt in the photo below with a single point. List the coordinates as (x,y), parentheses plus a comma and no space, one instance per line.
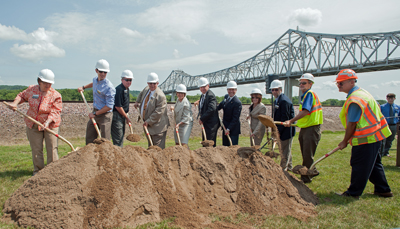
(133,138)
(105,186)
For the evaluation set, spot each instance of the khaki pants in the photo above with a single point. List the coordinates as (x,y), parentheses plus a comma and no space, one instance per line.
(286,156)
(36,138)
(159,139)
(309,138)
(104,123)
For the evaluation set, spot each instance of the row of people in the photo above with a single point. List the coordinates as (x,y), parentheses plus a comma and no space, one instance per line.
(365,125)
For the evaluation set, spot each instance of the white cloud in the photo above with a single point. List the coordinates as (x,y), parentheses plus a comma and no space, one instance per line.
(306,17)
(326,85)
(374,86)
(176,53)
(393,83)
(12,33)
(131,33)
(38,51)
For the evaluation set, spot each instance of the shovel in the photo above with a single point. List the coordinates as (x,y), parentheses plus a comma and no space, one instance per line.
(269,121)
(302,170)
(47,129)
(94,121)
(223,127)
(251,133)
(132,137)
(145,129)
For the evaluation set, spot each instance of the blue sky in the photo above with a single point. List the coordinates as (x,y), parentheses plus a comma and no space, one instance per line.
(198,37)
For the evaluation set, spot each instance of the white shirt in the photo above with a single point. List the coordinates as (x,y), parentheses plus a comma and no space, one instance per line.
(142,105)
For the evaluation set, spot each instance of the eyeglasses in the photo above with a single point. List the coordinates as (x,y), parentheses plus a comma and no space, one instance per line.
(128,80)
(302,83)
(274,89)
(102,72)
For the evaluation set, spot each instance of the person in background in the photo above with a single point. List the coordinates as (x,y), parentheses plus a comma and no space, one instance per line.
(121,108)
(45,105)
(283,111)
(183,116)
(256,108)
(232,108)
(103,103)
(391,112)
(208,110)
(365,128)
(153,109)
(309,119)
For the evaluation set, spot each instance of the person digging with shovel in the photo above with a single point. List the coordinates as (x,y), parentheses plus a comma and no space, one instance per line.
(309,120)
(45,105)
(121,109)
(366,127)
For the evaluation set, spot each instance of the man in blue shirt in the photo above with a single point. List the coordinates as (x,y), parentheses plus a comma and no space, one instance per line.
(391,112)
(103,103)
(121,109)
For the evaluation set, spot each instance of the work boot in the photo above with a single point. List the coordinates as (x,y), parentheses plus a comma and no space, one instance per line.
(345,194)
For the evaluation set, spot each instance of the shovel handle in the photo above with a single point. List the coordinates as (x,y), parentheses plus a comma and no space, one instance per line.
(223,127)
(130,127)
(322,158)
(145,129)
(177,135)
(281,123)
(47,129)
(251,133)
(94,121)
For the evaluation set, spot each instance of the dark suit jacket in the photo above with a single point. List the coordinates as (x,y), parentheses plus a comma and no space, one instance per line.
(232,110)
(283,112)
(209,113)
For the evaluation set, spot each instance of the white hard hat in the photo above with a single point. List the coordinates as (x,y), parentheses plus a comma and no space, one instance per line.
(152,78)
(307,76)
(203,82)
(103,65)
(276,84)
(181,88)
(256,91)
(46,75)
(127,74)
(231,85)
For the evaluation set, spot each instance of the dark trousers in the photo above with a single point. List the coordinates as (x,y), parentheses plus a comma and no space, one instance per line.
(225,140)
(387,143)
(211,134)
(309,138)
(118,129)
(366,165)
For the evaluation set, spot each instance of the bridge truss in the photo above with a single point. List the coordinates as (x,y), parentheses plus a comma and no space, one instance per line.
(297,52)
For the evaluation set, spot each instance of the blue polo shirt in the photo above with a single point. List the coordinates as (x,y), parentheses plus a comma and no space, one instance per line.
(385,109)
(354,112)
(103,94)
(308,101)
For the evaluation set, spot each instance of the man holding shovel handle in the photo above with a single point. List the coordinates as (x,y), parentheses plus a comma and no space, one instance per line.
(103,103)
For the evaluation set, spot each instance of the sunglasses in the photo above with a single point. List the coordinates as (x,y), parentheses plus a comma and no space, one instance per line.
(302,83)
(274,89)
(254,97)
(102,72)
(128,80)
(152,83)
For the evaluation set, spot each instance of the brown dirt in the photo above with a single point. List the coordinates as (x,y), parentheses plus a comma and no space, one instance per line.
(302,170)
(207,143)
(103,185)
(133,138)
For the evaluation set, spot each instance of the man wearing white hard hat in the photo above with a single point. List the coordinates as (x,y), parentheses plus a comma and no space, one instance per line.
(309,119)
(153,109)
(232,108)
(103,102)
(283,111)
(45,105)
(121,108)
(208,110)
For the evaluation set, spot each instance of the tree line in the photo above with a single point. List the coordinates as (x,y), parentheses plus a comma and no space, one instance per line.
(10,92)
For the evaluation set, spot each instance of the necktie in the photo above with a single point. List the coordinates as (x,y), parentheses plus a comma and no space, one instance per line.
(145,104)
(201,101)
(391,115)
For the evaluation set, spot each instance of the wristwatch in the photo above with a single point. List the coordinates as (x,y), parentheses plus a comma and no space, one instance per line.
(94,112)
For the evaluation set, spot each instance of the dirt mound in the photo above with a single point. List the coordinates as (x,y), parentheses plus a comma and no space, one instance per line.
(133,138)
(103,185)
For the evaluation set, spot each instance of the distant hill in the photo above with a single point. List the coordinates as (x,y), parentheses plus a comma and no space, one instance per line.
(12,87)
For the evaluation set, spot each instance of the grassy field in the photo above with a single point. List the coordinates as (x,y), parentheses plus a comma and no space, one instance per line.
(333,211)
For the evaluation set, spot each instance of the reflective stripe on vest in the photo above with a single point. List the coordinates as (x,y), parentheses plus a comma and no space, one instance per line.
(315,116)
(372,126)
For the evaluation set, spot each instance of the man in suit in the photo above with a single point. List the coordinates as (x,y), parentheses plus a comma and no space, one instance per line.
(283,110)
(232,108)
(153,108)
(208,110)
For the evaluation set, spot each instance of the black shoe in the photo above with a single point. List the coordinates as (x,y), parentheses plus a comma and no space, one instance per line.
(384,194)
(347,195)
(306,181)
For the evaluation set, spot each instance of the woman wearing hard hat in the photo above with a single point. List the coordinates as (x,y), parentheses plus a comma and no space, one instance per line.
(256,108)
(45,106)
(183,116)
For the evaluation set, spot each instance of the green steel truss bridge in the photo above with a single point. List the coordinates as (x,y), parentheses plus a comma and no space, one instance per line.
(297,52)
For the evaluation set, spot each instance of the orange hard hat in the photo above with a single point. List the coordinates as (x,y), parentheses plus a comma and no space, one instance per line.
(346,74)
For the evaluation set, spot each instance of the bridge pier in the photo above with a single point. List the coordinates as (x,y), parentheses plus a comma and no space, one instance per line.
(289,83)
(173,96)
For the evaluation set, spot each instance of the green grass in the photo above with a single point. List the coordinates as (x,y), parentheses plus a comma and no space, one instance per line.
(333,211)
